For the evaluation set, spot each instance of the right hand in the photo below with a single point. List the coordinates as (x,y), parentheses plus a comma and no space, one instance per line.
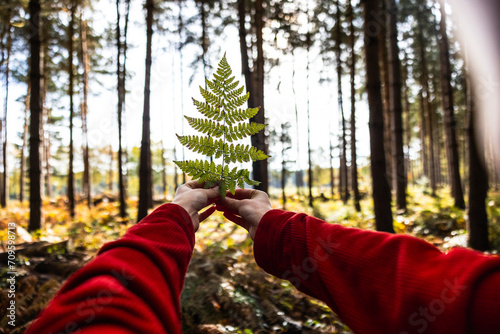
(245,208)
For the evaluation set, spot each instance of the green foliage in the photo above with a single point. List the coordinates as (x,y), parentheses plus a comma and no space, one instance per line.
(226,121)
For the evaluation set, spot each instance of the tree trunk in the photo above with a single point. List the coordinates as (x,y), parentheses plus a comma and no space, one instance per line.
(163,171)
(35,222)
(283,166)
(309,151)
(259,140)
(45,123)
(344,193)
(204,37)
(352,67)
(423,136)
(5,180)
(298,173)
(424,80)
(110,170)
(477,221)
(86,68)
(380,185)
(22,176)
(449,117)
(386,94)
(145,168)
(396,109)
(121,75)
(245,67)
(71,180)
(181,68)
(407,127)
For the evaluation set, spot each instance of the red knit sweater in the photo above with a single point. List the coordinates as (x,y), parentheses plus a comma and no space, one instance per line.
(376,282)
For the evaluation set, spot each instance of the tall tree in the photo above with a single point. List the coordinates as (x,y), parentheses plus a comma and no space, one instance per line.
(260,168)
(380,185)
(343,182)
(87,182)
(254,81)
(396,108)
(449,115)
(352,68)
(35,222)
(477,220)
(385,80)
(424,81)
(309,151)
(71,176)
(145,167)
(121,71)
(22,175)
(5,187)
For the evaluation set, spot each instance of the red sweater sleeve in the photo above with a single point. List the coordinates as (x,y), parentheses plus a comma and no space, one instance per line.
(132,286)
(379,282)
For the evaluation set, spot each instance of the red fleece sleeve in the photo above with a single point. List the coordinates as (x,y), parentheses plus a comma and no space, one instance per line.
(379,282)
(132,286)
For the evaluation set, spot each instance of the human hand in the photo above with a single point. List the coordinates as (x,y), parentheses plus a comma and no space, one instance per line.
(245,208)
(193,197)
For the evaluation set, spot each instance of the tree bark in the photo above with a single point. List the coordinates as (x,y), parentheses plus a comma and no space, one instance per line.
(121,76)
(259,140)
(407,127)
(396,109)
(449,117)
(352,67)
(386,94)
(86,68)
(22,176)
(35,222)
(344,191)
(5,180)
(145,167)
(309,151)
(477,221)
(71,180)
(380,185)
(424,81)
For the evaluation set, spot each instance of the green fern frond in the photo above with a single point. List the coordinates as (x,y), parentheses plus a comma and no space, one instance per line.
(225,122)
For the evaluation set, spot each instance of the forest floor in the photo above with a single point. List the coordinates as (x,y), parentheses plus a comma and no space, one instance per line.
(225,291)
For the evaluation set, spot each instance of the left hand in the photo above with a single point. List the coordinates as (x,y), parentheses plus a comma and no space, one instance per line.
(192,197)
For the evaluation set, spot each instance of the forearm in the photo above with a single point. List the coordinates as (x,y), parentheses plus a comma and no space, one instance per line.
(376,282)
(134,283)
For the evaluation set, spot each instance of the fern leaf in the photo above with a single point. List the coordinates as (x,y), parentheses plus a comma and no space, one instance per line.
(225,122)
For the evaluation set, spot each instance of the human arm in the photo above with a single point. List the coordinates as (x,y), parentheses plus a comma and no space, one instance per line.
(134,283)
(378,282)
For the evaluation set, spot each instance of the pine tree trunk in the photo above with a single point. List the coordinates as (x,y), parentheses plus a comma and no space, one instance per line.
(22,176)
(259,140)
(477,221)
(424,80)
(121,75)
(386,94)
(352,67)
(449,117)
(181,68)
(86,68)
(145,167)
(283,167)
(245,68)
(35,222)
(71,180)
(396,109)
(163,171)
(204,37)
(309,151)
(380,185)
(423,136)
(110,170)
(298,172)
(407,127)
(344,193)
(45,123)
(5,179)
